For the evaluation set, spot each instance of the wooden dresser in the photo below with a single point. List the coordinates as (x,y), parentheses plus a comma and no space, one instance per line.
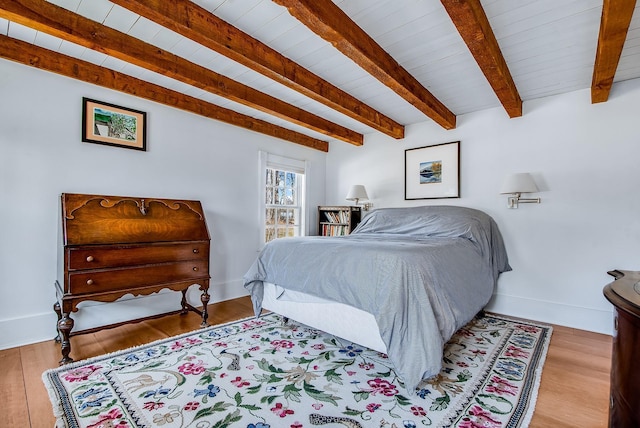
(624,294)
(116,245)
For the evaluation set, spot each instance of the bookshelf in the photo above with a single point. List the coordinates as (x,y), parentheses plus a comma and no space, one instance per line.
(338,220)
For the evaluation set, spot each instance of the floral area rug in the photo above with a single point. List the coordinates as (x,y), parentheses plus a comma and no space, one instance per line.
(262,373)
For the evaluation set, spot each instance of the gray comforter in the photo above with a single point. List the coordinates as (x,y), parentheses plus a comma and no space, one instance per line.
(423,273)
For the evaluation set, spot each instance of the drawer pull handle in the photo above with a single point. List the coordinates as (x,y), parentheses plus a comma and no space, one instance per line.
(89,281)
(195,269)
(89,258)
(196,251)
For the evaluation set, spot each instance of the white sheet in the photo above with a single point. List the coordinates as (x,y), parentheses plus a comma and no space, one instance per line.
(335,318)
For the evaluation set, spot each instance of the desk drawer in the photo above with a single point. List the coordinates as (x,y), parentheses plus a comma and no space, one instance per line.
(131,255)
(87,282)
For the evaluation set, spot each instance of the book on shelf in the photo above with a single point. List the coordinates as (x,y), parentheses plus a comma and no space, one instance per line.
(336,217)
(334,230)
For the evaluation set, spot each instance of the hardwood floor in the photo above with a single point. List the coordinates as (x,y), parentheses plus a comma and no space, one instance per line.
(574,390)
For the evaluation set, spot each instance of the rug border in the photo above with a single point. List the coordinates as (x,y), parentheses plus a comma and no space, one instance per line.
(526,418)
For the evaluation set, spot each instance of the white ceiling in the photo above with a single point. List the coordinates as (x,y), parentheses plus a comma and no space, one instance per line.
(549,47)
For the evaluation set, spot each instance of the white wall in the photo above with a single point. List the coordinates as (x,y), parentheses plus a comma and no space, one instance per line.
(188,157)
(584,157)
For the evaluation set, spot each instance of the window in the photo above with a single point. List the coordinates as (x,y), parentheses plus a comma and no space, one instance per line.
(283,197)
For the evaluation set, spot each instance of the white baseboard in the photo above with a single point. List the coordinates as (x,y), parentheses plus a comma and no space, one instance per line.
(42,327)
(596,320)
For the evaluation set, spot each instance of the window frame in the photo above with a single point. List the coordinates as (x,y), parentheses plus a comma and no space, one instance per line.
(270,160)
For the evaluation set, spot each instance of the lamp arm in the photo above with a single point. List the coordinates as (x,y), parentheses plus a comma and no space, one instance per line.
(513,201)
(529,200)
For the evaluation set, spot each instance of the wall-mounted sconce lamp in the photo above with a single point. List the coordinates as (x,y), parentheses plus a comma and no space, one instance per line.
(516,184)
(358,193)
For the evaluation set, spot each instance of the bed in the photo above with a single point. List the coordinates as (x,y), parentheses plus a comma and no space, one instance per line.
(403,282)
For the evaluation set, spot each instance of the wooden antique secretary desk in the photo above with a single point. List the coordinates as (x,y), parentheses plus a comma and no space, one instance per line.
(116,245)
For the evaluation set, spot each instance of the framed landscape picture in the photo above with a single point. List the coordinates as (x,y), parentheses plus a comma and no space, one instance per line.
(112,125)
(432,172)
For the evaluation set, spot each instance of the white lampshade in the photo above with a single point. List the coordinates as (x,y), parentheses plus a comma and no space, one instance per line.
(357,193)
(519,183)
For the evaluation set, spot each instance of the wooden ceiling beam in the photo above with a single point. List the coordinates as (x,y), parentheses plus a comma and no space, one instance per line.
(196,23)
(329,22)
(59,22)
(473,25)
(614,25)
(44,59)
